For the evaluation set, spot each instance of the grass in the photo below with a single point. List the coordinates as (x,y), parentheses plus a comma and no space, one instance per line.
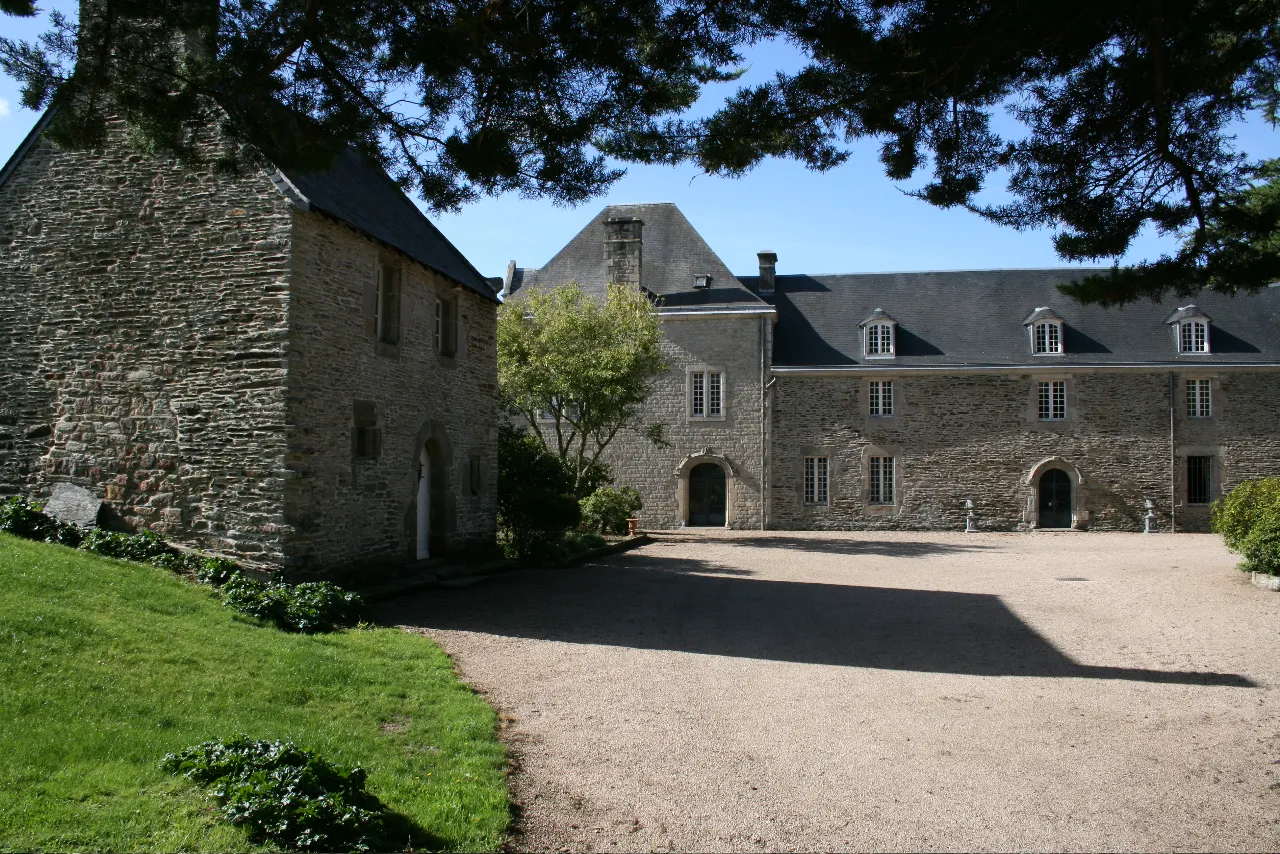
(106,666)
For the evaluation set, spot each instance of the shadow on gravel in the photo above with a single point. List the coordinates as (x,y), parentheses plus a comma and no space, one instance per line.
(832,545)
(645,601)
(824,545)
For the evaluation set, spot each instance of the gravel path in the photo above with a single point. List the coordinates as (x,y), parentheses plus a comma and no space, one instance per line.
(778,691)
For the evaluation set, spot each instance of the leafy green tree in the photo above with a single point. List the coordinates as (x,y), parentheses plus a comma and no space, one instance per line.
(1103,117)
(535,495)
(578,369)
(1121,113)
(455,98)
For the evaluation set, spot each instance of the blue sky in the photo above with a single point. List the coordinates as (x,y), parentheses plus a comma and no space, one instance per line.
(852,219)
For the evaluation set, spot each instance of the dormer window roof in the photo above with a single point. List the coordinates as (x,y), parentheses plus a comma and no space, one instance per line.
(1045,327)
(702,280)
(1190,329)
(878,335)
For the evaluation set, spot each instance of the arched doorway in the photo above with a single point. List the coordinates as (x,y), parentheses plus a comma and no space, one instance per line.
(433,499)
(1055,500)
(707,495)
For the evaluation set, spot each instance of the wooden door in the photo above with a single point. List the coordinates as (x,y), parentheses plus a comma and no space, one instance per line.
(706,495)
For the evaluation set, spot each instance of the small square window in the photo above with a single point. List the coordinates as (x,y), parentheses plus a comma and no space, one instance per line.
(1051,400)
(1199,404)
(880,480)
(366,435)
(880,398)
(816,480)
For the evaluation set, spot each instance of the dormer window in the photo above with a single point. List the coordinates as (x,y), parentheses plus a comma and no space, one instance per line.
(1048,337)
(1046,332)
(1191,329)
(1193,336)
(878,335)
(702,280)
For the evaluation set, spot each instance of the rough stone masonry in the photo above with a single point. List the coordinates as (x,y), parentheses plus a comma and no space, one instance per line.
(190,346)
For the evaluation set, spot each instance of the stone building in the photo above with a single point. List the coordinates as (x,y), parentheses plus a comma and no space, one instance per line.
(891,400)
(296,370)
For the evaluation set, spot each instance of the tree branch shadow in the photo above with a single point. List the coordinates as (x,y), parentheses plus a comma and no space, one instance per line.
(643,600)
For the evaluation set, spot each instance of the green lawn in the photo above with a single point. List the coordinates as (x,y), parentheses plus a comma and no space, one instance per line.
(106,666)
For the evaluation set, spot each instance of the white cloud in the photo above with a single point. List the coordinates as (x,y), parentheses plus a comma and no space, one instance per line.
(4,108)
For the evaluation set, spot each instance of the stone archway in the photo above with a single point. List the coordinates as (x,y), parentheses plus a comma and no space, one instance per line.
(682,473)
(1031,488)
(432,519)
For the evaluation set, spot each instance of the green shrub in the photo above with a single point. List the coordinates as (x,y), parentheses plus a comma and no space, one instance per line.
(285,796)
(137,547)
(1261,549)
(606,510)
(315,606)
(535,495)
(205,569)
(26,519)
(1248,518)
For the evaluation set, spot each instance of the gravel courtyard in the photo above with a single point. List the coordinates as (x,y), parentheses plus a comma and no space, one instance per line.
(803,690)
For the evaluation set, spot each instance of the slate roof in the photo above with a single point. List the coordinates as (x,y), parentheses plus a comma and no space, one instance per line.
(975,318)
(672,253)
(360,194)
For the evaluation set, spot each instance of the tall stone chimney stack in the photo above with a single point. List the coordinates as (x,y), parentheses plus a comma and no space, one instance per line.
(768,263)
(622,242)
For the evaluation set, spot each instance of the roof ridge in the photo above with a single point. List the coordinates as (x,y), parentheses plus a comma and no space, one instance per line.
(28,142)
(958,270)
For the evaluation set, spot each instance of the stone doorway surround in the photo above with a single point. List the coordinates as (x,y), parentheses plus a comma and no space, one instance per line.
(681,474)
(433,448)
(1031,493)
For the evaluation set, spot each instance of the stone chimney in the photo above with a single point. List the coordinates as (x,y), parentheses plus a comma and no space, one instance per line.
(768,261)
(622,250)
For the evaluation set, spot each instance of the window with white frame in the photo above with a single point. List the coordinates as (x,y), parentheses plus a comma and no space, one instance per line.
(879,339)
(880,397)
(1198,403)
(1051,400)
(816,480)
(706,394)
(1193,336)
(880,480)
(1047,336)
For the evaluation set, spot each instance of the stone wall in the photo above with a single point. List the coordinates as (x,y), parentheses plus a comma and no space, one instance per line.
(345,510)
(715,342)
(976,436)
(143,306)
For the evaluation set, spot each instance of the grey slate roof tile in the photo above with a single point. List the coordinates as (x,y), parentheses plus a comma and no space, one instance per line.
(360,194)
(975,317)
(672,253)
